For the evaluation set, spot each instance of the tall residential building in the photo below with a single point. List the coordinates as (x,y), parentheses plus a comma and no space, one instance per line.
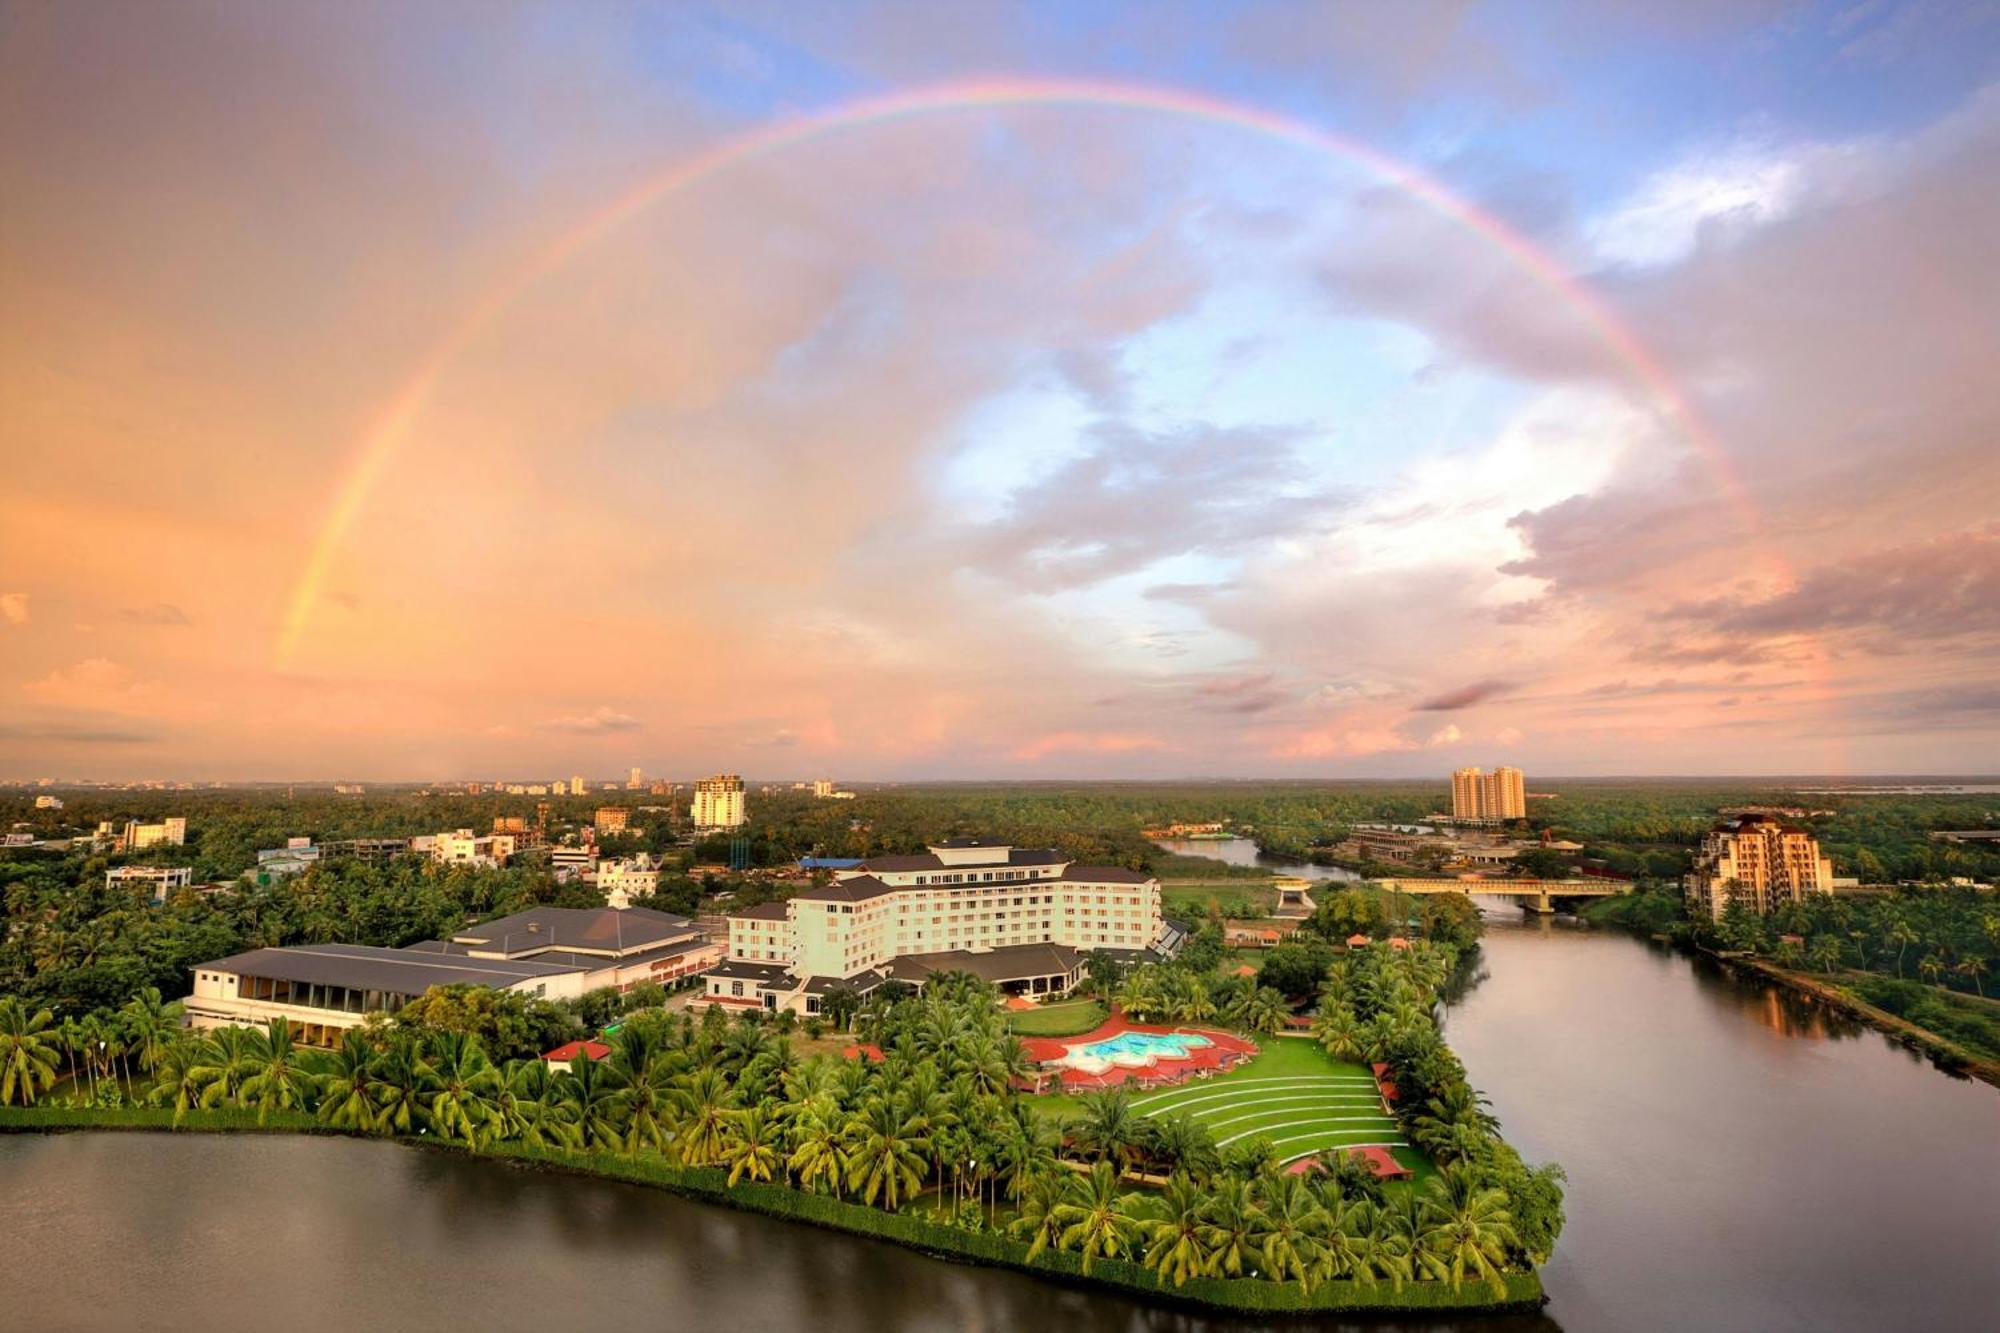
(1758,861)
(635,780)
(1020,918)
(718,803)
(823,789)
(1489,797)
(611,818)
(578,787)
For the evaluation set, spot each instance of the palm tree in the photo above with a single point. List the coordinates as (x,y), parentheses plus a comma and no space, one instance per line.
(528,1108)
(1232,1225)
(646,1101)
(1093,1219)
(1902,936)
(590,1091)
(227,1059)
(1177,1233)
(1468,1229)
(177,1076)
(1108,1129)
(753,1147)
(463,1082)
(149,1023)
(819,1154)
(278,1081)
(1182,1141)
(1291,1227)
(1039,1218)
(347,1085)
(705,1104)
(27,1052)
(1973,970)
(1373,1244)
(885,1155)
(401,1079)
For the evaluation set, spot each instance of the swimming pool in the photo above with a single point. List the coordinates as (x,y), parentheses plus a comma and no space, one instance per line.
(1148,1046)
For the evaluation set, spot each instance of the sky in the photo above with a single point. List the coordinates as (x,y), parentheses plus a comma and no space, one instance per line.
(900,391)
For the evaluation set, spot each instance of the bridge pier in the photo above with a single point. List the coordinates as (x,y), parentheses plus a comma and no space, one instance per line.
(1540,904)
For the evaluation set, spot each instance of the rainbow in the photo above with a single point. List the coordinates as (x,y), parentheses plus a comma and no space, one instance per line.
(389,430)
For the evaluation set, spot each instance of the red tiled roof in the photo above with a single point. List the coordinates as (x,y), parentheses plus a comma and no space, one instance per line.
(1382,1161)
(569,1050)
(1356,941)
(860,1049)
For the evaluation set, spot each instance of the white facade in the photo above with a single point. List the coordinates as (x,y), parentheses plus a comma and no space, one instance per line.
(169,832)
(718,803)
(624,880)
(162,879)
(464,847)
(960,897)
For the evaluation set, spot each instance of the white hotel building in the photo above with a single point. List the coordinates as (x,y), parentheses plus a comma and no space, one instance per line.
(1020,918)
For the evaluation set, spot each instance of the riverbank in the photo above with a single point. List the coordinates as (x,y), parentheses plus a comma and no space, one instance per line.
(1638,916)
(1945,1052)
(1236,1296)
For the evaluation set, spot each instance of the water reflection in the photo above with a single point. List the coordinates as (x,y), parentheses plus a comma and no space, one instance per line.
(1738,1159)
(304,1234)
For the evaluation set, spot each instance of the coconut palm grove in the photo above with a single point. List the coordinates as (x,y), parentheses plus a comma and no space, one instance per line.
(918,1123)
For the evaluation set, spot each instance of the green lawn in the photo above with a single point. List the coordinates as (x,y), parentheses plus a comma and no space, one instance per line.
(1189,902)
(1293,1093)
(1058,1020)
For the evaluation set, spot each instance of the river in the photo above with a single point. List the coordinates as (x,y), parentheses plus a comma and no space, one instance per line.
(1738,1161)
(1243,852)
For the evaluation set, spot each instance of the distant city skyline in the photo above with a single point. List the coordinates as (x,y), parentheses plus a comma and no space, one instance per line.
(998,391)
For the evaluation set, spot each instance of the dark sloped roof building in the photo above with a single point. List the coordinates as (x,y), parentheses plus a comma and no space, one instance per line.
(549,952)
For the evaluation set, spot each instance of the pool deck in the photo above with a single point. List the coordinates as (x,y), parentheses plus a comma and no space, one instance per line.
(1223,1051)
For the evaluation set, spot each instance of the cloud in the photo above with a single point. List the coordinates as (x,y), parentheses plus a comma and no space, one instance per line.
(1239,694)
(1446,735)
(1465,696)
(1086,742)
(600,721)
(1945,588)
(1734,187)
(95,684)
(74,734)
(158,613)
(14,607)
(782,739)
(1135,497)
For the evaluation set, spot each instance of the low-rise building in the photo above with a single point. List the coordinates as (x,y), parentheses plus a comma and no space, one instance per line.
(169,832)
(545,952)
(464,847)
(626,879)
(163,880)
(1021,918)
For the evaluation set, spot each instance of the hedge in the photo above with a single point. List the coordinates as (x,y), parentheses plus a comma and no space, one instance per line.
(1239,1295)
(230,1120)
(1518,1290)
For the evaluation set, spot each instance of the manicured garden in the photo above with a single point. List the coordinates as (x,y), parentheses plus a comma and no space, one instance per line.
(1058,1020)
(1295,1095)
